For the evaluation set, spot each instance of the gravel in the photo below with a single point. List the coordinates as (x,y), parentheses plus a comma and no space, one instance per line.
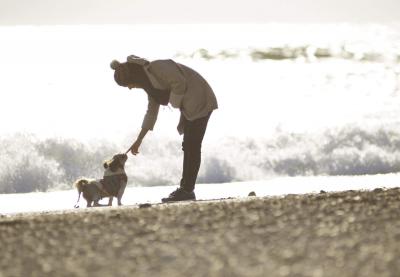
(351,233)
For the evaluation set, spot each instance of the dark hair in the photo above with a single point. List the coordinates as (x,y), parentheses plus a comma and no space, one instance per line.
(130,73)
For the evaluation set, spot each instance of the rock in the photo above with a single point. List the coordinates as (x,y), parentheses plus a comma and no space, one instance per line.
(252,194)
(357,198)
(145,205)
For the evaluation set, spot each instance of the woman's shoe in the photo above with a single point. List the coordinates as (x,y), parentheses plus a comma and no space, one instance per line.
(179,195)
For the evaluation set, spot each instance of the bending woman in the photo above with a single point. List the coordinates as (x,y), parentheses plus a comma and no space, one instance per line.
(166,81)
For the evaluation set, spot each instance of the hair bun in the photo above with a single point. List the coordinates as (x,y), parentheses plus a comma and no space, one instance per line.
(115,64)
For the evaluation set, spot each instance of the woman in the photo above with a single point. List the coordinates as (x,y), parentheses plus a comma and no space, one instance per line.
(166,81)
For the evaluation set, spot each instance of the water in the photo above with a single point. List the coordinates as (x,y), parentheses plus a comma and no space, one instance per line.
(58,81)
(295,100)
(65,200)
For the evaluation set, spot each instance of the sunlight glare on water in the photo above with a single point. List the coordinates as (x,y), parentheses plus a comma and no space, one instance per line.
(68,90)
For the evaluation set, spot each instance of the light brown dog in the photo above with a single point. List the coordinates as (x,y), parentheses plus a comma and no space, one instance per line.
(112,185)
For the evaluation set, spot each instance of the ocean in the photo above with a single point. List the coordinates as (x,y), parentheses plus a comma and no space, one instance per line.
(295,101)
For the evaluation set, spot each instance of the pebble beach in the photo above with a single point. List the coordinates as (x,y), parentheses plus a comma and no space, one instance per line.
(349,233)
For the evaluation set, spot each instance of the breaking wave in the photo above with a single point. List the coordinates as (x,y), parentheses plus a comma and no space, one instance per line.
(307,52)
(31,164)
(346,151)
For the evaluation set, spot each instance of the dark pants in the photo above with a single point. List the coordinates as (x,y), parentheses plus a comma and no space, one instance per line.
(193,134)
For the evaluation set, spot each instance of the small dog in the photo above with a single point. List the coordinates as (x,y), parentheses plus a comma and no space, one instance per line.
(112,185)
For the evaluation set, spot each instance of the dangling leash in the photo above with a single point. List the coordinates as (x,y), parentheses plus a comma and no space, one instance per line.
(77,202)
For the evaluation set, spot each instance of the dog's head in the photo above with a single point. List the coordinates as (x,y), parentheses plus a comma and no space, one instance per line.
(118,161)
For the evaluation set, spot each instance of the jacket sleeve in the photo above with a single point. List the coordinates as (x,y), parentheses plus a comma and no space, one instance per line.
(169,73)
(150,117)
(181,125)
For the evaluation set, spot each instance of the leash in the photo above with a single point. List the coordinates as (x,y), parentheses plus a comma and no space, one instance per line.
(127,151)
(77,202)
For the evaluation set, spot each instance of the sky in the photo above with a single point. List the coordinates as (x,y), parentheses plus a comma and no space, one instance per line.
(66,12)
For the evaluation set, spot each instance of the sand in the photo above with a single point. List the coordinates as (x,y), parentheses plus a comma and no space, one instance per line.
(351,233)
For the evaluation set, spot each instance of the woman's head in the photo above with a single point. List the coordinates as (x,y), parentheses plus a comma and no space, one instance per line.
(128,74)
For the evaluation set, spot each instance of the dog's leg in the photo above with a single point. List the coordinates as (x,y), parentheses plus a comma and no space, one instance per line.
(89,203)
(110,200)
(120,193)
(97,204)
(119,200)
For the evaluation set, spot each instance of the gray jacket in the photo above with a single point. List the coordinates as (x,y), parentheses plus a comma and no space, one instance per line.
(190,92)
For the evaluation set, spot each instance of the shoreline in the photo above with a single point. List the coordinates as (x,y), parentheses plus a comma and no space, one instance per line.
(278,186)
(348,233)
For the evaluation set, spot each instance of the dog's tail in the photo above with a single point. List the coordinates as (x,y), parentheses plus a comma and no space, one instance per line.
(80,184)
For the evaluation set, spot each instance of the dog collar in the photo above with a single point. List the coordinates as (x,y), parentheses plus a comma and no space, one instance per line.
(119,171)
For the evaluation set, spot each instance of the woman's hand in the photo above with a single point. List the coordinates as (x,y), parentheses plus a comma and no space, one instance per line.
(135,147)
